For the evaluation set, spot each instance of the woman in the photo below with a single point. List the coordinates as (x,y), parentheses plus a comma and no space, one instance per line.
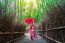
(33,32)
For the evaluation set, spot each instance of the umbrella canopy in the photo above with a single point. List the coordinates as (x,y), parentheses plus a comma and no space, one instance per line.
(30,20)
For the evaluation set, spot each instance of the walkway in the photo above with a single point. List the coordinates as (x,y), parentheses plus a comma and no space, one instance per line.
(28,40)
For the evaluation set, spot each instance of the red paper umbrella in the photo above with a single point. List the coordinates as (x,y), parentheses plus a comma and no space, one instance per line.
(30,20)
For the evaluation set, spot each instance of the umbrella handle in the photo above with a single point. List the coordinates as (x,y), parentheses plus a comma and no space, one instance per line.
(33,22)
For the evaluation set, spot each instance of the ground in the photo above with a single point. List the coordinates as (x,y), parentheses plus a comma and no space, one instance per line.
(27,39)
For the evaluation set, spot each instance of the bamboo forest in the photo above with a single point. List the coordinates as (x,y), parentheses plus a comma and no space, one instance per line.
(32,21)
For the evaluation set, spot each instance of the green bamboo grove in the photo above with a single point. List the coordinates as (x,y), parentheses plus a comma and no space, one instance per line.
(28,8)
